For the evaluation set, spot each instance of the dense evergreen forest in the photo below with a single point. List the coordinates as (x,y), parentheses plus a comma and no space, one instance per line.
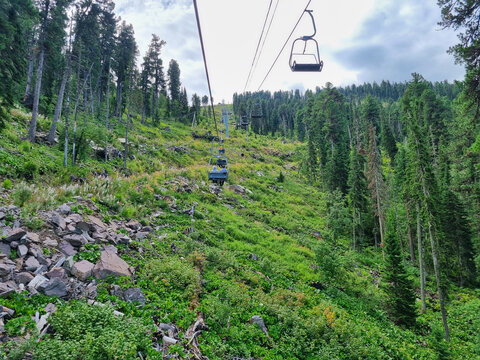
(381,179)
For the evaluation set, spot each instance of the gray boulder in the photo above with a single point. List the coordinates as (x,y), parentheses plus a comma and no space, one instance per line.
(15,234)
(111,264)
(55,287)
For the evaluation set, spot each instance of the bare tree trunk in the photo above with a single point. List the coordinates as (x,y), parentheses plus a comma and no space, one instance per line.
(38,85)
(30,73)
(36,99)
(420,259)
(118,110)
(107,115)
(75,112)
(143,114)
(58,108)
(67,113)
(119,102)
(128,123)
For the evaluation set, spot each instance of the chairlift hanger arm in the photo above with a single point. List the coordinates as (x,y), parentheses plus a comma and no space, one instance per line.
(307,37)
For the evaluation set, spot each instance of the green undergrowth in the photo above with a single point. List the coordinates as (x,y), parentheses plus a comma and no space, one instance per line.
(269,252)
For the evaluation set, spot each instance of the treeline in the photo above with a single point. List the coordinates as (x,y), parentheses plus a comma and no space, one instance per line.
(76,61)
(279,110)
(401,175)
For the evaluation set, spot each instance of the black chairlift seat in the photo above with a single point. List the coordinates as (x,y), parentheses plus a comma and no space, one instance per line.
(306,61)
(307,67)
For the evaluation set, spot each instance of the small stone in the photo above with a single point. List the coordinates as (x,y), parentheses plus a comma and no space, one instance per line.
(141,235)
(69,261)
(60,262)
(67,249)
(97,222)
(18,264)
(74,218)
(123,239)
(134,225)
(31,264)
(134,295)
(64,209)
(5,269)
(147,229)
(37,281)
(55,287)
(75,239)
(33,237)
(14,244)
(169,341)
(22,250)
(24,277)
(50,308)
(5,249)
(82,269)
(2,215)
(99,235)
(15,234)
(58,221)
(41,269)
(56,273)
(50,242)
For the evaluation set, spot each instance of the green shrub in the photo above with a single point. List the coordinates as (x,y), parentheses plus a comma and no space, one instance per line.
(174,274)
(28,170)
(94,332)
(22,195)
(7,184)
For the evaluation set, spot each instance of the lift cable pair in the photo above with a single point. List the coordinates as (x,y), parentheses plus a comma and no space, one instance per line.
(218,168)
(316,66)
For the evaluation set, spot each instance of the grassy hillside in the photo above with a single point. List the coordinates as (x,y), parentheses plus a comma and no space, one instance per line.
(267,243)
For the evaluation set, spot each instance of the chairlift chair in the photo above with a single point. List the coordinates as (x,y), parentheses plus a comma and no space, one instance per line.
(217,144)
(256,112)
(218,169)
(306,61)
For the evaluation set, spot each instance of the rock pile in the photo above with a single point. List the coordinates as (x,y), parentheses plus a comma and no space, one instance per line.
(45,262)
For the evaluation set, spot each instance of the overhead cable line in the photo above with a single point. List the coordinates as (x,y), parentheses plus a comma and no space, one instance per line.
(283,47)
(205,63)
(266,35)
(258,45)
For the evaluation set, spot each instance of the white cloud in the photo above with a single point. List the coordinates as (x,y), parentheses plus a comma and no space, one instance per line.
(359,40)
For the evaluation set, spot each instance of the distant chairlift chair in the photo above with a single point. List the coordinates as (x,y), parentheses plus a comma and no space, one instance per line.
(218,168)
(306,61)
(256,112)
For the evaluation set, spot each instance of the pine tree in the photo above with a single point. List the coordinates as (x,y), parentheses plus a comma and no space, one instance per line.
(174,80)
(398,287)
(16,17)
(357,196)
(422,177)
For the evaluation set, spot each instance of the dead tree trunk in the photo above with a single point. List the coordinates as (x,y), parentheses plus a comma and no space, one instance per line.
(107,111)
(58,108)
(38,85)
(67,114)
(31,59)
(36,98)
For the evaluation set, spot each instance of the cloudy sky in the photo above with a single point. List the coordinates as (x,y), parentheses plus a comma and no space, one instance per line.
(359,40)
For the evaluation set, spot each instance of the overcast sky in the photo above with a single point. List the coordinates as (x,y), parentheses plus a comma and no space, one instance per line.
(359,40)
